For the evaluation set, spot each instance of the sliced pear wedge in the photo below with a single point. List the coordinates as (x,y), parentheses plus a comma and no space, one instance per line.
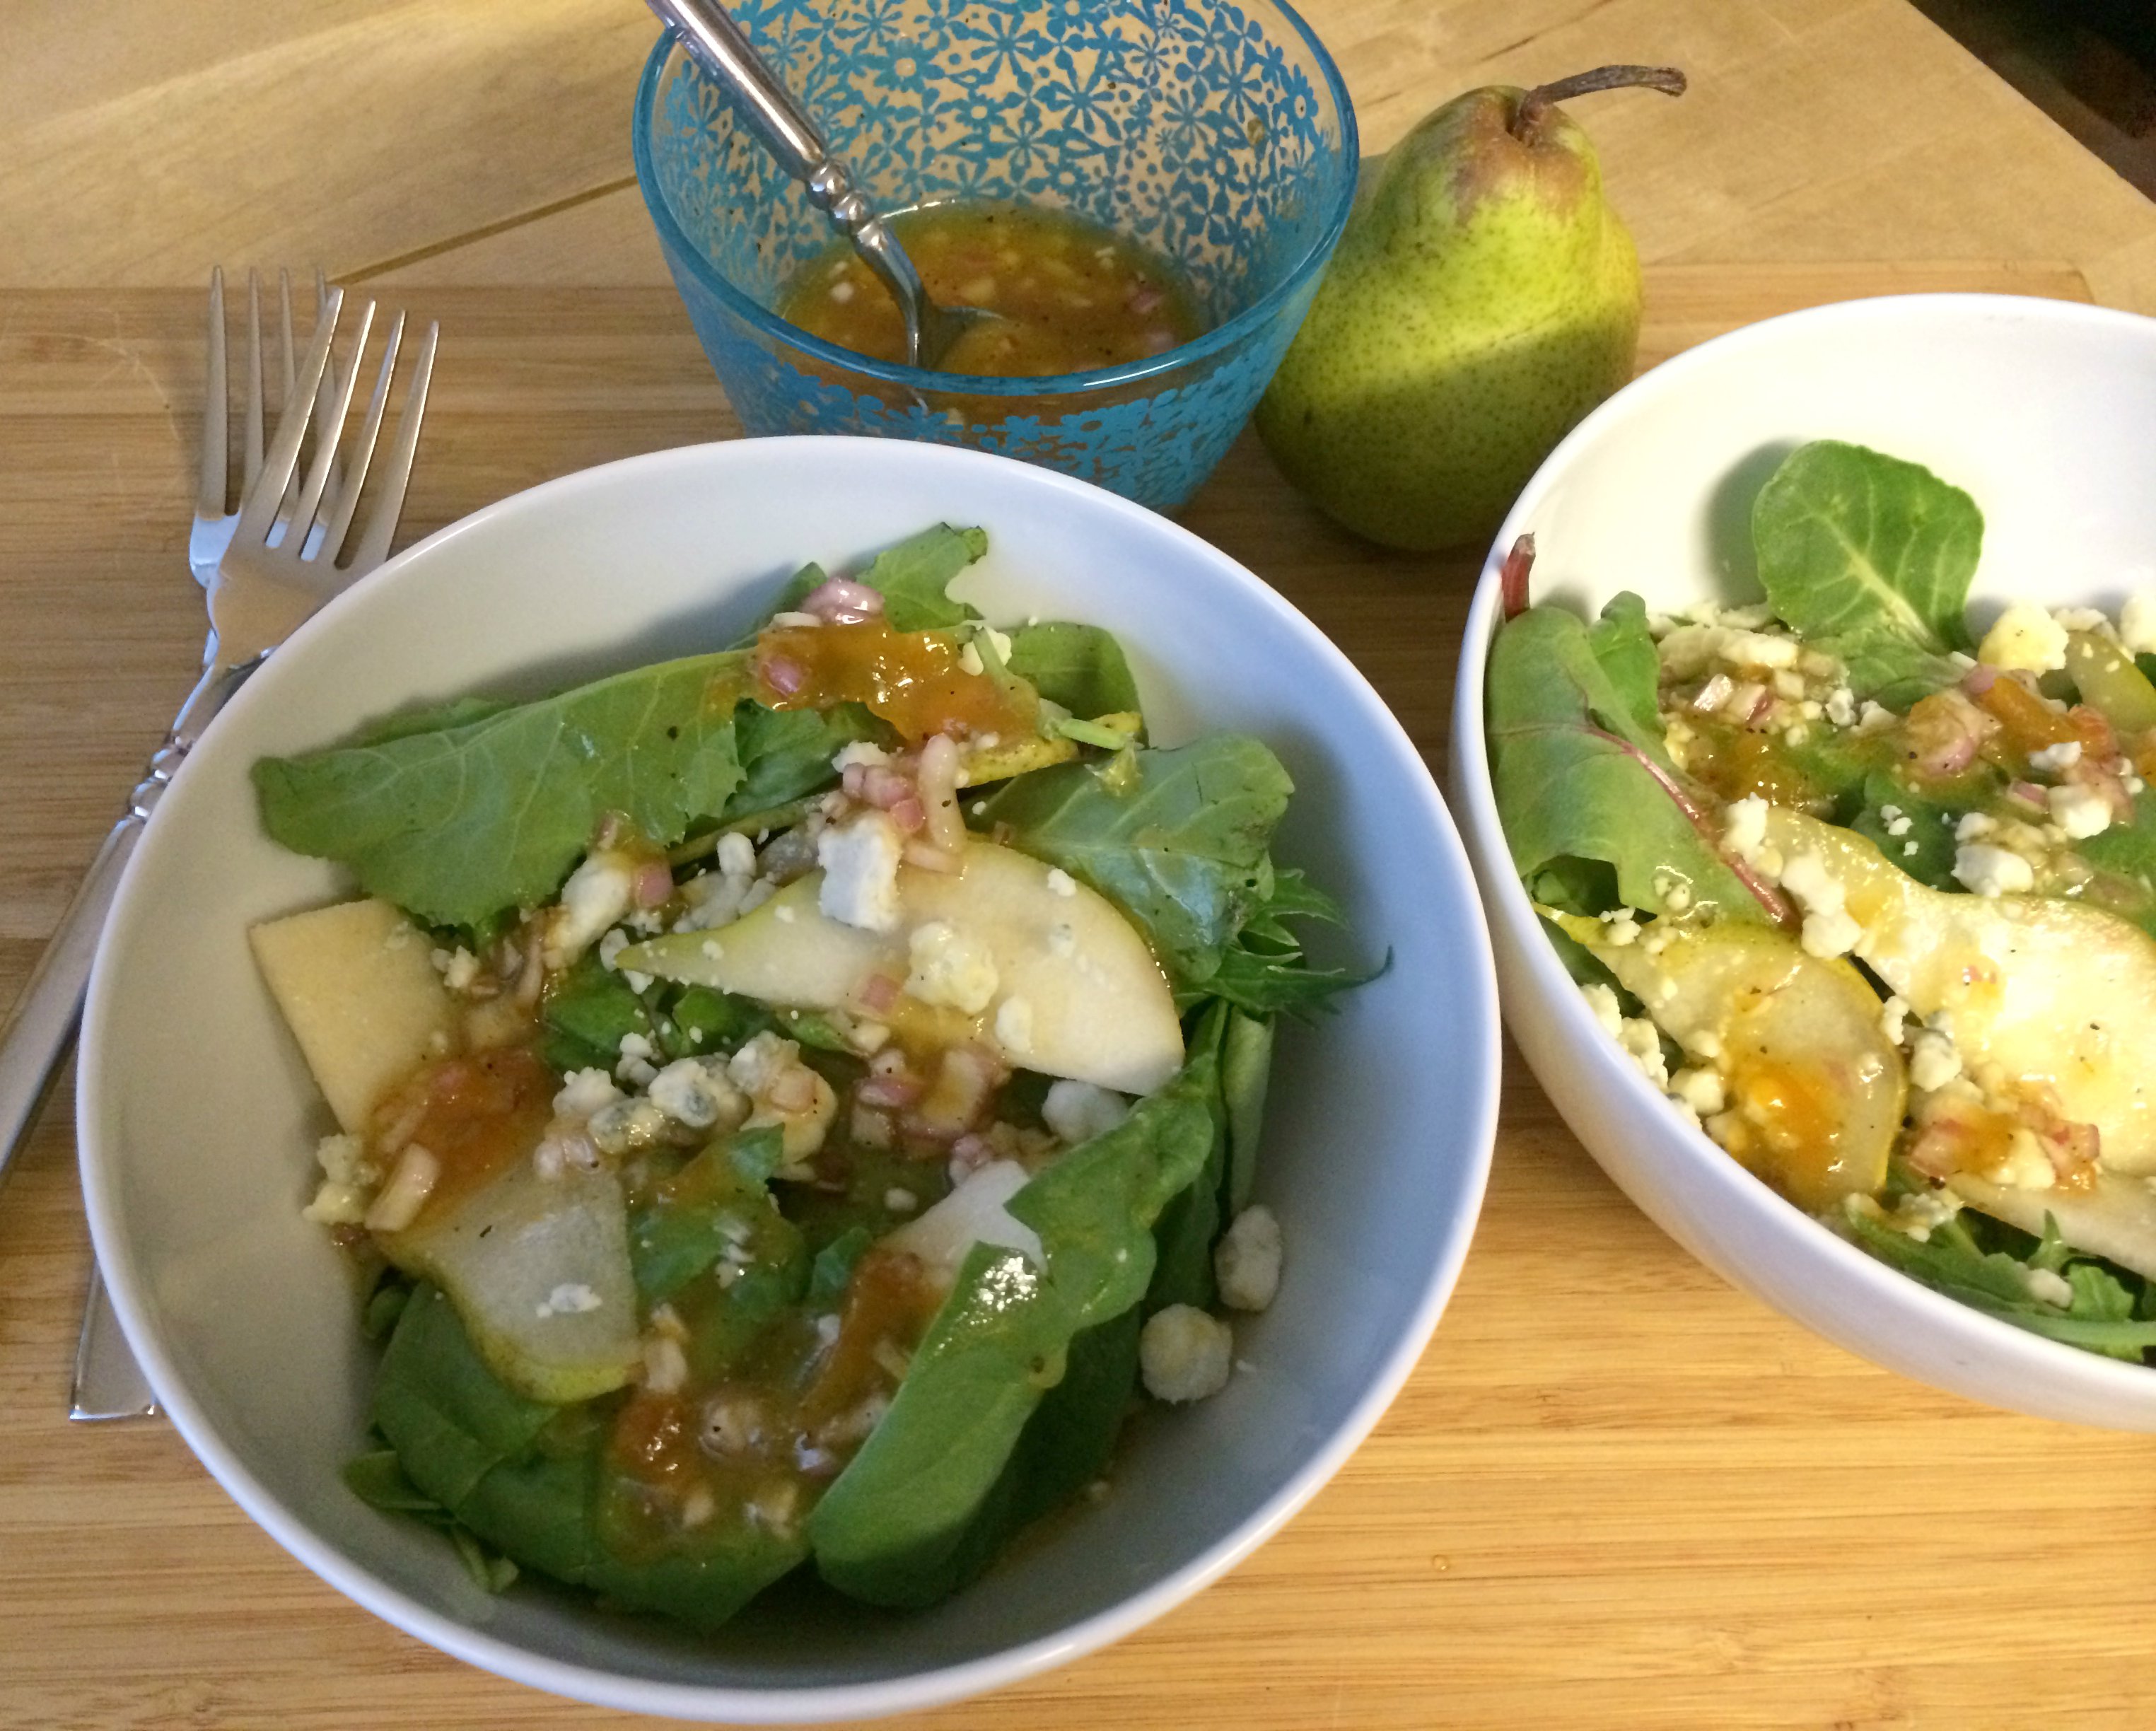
(1816,1089)
(2047,991)
(1077,992)
(362,997)
(538,1269)
(2115,1217)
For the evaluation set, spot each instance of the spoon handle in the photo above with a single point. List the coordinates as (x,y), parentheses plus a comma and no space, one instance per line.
(716,42)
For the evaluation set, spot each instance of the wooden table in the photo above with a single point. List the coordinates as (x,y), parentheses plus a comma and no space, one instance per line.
(1615,1492)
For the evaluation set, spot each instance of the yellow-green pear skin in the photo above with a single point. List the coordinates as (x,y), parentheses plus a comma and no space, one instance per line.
(1483,298)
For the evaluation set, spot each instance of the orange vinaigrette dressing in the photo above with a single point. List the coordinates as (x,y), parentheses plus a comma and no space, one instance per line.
(916,681)
(1074,296)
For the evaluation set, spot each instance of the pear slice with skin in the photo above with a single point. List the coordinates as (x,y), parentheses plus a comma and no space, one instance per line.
(2114,1217)
(1816,1090)
(2042,990)
(1077,993)
(538,1270)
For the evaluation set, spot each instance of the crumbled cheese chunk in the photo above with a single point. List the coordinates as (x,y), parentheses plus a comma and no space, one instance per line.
(2081,812)
(571,1298)
(2025,639)
(2026,1166)
(1989,871)
(1842,707)
(2136,623)
(1975,826)
(1014,1027)
(695,1093)
(1934,1060)
(1060,882)
(1246,1262)
(1744,826)
(2047,1286)
(1602,1003)
(1893,1019)
(950,967)
(598,894)
(1079,1111)
(1829,930)
(1702,1090)
(860,752)
(737,856)
(1184,1354)
(860,872)
(2053,758)
(583,1092)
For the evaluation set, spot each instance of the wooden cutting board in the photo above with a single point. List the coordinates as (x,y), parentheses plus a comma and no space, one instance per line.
(1616,1493)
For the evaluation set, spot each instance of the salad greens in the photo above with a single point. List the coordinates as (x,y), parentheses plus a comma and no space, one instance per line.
(929,1423)
(1754,832)
(1594,811)
(1870,558)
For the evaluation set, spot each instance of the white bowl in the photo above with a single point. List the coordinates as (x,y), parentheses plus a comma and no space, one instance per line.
(197,1119)
(2040,409)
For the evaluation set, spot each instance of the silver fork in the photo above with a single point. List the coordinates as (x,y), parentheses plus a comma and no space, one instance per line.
(281,562)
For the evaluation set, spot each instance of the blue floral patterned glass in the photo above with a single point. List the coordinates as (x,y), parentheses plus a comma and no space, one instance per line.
(1217,133)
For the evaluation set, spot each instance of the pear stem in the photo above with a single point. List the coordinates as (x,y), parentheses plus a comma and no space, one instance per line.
(1538,101)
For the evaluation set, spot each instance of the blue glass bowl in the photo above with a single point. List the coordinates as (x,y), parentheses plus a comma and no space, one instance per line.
(1216,132)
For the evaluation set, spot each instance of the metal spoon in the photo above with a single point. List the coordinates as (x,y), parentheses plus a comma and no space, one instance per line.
(795,141)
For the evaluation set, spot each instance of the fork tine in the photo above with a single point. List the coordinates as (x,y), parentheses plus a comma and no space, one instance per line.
(210,494)
(258,511)
(389,498)
(252,464)
(326,429)
(340,402)
(362,451)
(285,401)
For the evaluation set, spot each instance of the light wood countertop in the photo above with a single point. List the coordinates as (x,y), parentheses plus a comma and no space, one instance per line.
(1616,1493)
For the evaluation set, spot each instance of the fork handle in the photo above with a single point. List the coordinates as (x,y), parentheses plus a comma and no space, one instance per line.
(35,1036)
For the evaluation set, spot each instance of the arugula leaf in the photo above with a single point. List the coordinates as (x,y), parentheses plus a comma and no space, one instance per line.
(1176,839)
(1870,558)
(1578,768)
(1930,827)
(1246,1059)
(1263,971)
(898,1526)
(2124,856)
(2100,1317)
(456,825)
(833,1270)
(430,718)
(1080,667)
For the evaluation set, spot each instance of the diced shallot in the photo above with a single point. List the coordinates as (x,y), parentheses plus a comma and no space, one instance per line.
(2028,793)
(884,787)
(938,778)
(1979,679)
(908,816)
(837,601)
(886,1091)
(655,884)
(930,858)
(784,674)
(398,1202)
(880,992)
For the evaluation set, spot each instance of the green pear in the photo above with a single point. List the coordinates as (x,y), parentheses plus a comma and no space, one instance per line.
(1484,297)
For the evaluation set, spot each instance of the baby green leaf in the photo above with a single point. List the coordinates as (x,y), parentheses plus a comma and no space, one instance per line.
(1578,768)
(1870,558)
(1081,667)
(457,823)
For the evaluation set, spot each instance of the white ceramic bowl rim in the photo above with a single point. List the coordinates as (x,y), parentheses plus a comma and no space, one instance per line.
(1963,1330)
(1473,1134)
(1201,348)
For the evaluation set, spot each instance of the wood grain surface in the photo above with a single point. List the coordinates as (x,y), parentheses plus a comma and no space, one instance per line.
(1615,1492)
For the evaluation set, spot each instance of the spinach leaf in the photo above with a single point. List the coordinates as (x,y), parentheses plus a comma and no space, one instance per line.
(429,718)
(456,825)
(2124,856)
(1870,558)
(446,1414)
(1578,768)
(786,754)
(896,1527)
(913,576)
(587,1014)
(1080,667)
(1176,839)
